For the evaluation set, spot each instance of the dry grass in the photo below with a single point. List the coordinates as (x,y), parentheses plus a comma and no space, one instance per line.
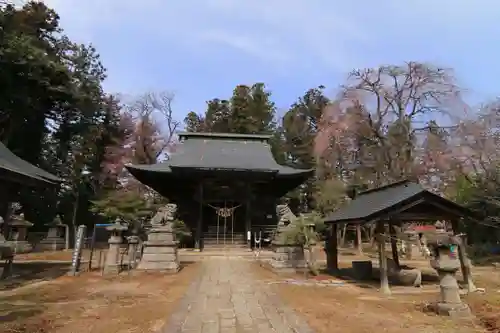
(90,303)
(357,308)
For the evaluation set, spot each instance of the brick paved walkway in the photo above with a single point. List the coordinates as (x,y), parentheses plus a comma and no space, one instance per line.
(227,299)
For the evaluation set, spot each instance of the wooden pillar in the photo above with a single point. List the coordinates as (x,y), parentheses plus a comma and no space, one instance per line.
(359,241)
(384,279)
(464,260)
(248,220)
(332,260)
(394,243)
(199,226)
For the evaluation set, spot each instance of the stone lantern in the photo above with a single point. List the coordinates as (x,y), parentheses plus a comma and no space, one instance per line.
(54,241)
(446,262)
(113,262)
(18,233)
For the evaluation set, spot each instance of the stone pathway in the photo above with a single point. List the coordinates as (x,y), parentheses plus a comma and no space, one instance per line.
(228,299)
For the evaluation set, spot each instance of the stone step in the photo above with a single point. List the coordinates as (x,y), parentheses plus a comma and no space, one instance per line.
(226,249)
(221,243)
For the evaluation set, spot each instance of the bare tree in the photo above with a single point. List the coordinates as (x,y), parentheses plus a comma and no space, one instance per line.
(154,126)
(380,117)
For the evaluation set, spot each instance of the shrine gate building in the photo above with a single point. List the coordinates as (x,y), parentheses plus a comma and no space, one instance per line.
(226,186)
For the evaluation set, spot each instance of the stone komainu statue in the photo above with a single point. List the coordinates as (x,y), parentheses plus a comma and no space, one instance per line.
(164,215)
(285,218)
(285,215)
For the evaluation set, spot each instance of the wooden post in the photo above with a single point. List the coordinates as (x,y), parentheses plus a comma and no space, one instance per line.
(464,260)
(344,231)
(248,216)
(384,279)
(197,239)
(359,241)
(248,221)
(332,260)
(394,243)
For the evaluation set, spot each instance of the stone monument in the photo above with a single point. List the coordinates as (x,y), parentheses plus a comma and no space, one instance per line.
(286,255)
(113,261)
(18,232)
(54,241)
(446,262)
(160,250)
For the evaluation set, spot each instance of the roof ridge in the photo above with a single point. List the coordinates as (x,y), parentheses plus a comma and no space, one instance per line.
(385,187)
(226,136)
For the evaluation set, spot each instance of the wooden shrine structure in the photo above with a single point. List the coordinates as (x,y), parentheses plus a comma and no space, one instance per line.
(392,205)
(225,185)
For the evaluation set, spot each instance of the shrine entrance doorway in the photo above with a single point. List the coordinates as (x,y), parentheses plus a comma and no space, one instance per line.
(225,224)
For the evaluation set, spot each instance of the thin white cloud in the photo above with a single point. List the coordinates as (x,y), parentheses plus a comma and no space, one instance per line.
(332,34)
(278,32)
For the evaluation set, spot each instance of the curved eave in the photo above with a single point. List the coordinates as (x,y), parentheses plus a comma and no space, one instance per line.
(12,175)
(160,178)
(155,176)
(289,179)
(15,164)
(285,171)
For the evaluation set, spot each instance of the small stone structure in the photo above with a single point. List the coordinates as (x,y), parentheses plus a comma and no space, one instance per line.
(6,255)
(133,243)
(160,250)
(113,261)
(413,245)
(286,256)
(446,262)
(405,277)
(54,240)
(18,232)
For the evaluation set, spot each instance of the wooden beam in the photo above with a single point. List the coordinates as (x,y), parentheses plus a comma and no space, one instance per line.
(453,212)
(395,213)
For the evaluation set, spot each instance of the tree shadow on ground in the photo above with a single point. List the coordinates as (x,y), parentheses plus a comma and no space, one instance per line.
(14,312)
(25,273)
(348,275)
(125,269)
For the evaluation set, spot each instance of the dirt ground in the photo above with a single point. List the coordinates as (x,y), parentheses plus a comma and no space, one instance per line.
(57,255)
(350,307)
(90,303)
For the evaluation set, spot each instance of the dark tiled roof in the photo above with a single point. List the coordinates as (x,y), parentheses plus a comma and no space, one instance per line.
(222,151)
(369,203)
(19,168)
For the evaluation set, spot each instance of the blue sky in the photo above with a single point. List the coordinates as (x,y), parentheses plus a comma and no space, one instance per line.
(201,49)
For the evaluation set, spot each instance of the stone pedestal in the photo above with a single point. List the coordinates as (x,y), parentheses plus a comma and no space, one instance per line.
(113,261)
(6,257)
(54,240)
(286,255)
(133,242)
(160,250)
(288,258)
